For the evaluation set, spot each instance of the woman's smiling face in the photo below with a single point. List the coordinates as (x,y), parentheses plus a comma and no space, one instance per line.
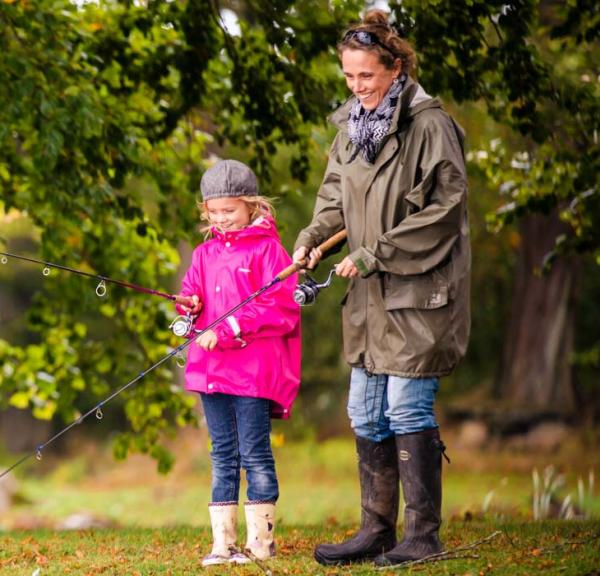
(368,79)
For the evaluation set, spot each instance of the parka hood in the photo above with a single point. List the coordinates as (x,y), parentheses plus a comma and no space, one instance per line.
(419,101)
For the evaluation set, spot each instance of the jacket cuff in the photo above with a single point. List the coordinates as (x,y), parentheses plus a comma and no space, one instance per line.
(179,307)
(233,324)
(364,261)
(305,240)
(228,334)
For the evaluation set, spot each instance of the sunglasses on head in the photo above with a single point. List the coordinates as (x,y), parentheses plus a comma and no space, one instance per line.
(366,39)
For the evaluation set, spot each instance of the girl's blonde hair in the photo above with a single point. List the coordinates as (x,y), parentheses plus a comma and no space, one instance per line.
(258,205)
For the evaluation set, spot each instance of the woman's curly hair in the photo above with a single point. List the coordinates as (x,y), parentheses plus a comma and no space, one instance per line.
(376,22)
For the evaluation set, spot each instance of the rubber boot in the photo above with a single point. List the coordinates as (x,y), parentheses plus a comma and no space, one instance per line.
(223,519)
(378,472)
(260,524)
(420,465)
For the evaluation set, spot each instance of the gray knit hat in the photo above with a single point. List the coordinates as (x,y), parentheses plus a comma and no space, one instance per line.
(228,178)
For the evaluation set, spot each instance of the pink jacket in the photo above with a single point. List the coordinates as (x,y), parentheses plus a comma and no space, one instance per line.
(258,349)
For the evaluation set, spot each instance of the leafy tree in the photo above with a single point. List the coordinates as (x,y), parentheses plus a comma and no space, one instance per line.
(109,110)
(532,64)
(106,115)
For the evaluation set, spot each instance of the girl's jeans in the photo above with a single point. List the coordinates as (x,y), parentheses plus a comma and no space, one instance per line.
(239,431)
(381,406)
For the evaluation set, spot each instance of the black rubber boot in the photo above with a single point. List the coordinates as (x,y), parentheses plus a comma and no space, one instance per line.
(420,464)
(379,487)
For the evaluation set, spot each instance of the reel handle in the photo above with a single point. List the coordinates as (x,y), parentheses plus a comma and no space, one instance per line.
(324,247)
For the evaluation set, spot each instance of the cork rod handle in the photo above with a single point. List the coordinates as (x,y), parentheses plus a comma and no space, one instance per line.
(324,247)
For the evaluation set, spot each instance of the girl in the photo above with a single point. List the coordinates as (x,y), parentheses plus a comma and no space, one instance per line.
(246,369)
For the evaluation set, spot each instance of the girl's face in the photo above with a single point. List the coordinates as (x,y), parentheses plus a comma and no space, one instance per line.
(368,79)
(228,214)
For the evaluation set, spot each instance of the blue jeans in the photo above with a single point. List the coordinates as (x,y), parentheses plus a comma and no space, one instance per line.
(239,431)
(381,406)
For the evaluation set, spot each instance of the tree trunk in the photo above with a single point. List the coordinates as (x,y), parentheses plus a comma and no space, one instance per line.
(21,432)
(536,375)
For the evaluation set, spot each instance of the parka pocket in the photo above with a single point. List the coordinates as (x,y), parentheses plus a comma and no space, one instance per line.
(423,291)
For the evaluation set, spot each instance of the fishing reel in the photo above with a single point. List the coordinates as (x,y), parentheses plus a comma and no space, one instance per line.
(183,325)
(306,293)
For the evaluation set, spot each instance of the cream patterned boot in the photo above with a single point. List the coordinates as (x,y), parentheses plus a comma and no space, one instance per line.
(223,519)
(260,523)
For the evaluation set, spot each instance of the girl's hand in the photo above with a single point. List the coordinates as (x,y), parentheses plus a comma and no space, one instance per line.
(346,268)
(207,341)
(191,304)
(303,254)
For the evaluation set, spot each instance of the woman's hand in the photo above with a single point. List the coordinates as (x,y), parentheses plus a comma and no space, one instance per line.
(190,304)
(207,341)
(303,254)
(346,268)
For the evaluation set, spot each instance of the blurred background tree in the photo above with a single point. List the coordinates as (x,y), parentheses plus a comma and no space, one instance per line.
(532,64)
(110,111)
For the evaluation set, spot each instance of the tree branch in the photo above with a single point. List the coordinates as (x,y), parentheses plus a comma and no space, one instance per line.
(452,554)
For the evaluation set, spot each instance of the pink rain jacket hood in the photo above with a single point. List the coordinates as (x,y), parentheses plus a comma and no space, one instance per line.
(258,350)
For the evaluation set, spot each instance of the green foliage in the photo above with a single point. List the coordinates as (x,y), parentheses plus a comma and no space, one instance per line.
(277,76)
(542,183)
(109,110)
(102,145)
(532,63)
(89,99)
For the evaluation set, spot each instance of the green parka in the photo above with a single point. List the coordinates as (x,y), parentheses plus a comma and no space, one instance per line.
(406,216)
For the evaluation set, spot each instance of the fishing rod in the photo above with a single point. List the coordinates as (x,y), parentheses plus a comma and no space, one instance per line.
(100,289)
(194,333)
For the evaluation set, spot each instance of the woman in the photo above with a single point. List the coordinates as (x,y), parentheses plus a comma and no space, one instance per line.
(396,181)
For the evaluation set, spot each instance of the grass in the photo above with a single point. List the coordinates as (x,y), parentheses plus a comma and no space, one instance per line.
(159,524)
(554,547)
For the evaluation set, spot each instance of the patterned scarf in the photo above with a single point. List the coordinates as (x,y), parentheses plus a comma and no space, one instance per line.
(368,128)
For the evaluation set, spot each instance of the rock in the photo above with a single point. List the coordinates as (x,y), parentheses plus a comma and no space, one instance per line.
(8,489)
(547,437)
(29,522)
(473,434)
(83,521)
(20,431)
